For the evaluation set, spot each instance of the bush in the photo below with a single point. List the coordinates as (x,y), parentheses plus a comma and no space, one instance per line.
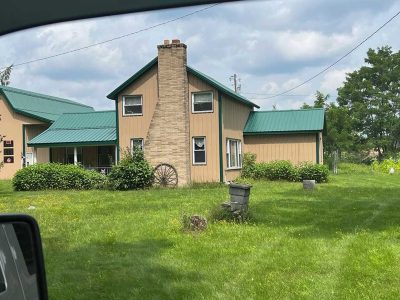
(385,165)
(249,164)
(133,172)
(282,170)
(56,176)
(319,173)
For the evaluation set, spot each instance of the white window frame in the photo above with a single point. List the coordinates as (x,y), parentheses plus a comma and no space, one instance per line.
(203,111)
(205,150)
(238,154)
(123,105)
(142,142)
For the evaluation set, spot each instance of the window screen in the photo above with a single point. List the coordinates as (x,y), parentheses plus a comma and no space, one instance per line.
(202,102)
(133,105)
(199,150)
(234,153)
(137,144)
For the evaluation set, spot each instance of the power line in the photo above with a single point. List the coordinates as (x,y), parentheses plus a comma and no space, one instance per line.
(263,94)
(114,38)
(338,60)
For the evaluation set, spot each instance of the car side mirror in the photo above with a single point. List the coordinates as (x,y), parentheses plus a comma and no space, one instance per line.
(22,272)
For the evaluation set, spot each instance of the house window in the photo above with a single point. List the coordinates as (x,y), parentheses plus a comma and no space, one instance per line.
(137,144)
(199,150)
(234,153)
(133,105)
(202,102)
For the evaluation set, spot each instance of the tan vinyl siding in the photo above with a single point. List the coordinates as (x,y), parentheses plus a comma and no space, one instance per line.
(204,125)
(138,126)
(42,154)
(11,127)
(234,116)
(295,147)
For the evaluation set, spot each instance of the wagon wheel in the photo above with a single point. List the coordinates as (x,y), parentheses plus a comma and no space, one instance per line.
(165,175)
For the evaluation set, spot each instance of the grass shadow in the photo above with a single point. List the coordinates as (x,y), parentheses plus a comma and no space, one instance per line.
(116,271)
(330,211)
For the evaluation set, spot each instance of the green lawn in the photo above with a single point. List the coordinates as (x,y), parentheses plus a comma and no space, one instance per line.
(340,241)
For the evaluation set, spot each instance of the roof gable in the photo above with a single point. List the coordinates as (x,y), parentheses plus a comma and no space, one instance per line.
(79,129)
(217,85)
(285,121)
(39,106)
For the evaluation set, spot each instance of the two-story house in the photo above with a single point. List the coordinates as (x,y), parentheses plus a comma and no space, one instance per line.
(189,125)
(182,117)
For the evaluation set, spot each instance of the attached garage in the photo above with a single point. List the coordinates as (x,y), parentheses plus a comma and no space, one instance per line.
(294,135)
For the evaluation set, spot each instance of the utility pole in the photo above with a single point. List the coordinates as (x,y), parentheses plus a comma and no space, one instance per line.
(236,83)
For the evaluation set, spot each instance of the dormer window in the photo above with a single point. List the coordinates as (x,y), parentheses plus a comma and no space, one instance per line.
(132,105)
(202,102)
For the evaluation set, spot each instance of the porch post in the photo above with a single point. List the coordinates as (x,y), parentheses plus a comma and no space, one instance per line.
(116,155)
(75,156)
(34,155)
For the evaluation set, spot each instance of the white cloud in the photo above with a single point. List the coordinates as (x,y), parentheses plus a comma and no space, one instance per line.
(272,45)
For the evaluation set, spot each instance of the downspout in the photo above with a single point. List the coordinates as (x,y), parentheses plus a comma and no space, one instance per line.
(317,143)
(23,145)
(221,165)
(117,132)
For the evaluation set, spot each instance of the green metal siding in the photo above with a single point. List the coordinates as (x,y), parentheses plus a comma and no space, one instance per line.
(285,121)
(38,106)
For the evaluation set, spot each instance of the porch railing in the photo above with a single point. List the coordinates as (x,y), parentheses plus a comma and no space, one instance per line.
(102,170)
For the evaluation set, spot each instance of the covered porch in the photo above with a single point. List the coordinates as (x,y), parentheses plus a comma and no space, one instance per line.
(99,158)
(86,139)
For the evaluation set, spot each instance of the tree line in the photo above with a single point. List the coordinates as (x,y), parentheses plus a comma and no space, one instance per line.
(364,121)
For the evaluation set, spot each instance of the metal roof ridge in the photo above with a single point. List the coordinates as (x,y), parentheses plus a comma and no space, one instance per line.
(38,111)
(88,112)
(80,128)
(295,109)
(222,87)
(48,97)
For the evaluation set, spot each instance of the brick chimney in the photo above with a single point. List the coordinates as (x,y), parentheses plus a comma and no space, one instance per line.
(168,140)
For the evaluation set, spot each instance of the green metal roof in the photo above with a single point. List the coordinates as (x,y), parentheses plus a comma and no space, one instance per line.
(38,106)
(285,121)
(220,87)
(79,129)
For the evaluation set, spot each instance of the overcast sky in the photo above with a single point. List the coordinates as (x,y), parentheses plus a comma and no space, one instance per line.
(271,45)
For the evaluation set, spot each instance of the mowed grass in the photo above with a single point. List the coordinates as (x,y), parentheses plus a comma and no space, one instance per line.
(341,241)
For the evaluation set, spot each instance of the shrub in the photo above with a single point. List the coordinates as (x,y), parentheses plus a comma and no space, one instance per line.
(133,172)
(385,165)
(249,164)
(56,176)
(319,173)
(280,170)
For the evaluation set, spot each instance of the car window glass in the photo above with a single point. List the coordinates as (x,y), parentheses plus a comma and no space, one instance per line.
(2,280)
(23,233)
